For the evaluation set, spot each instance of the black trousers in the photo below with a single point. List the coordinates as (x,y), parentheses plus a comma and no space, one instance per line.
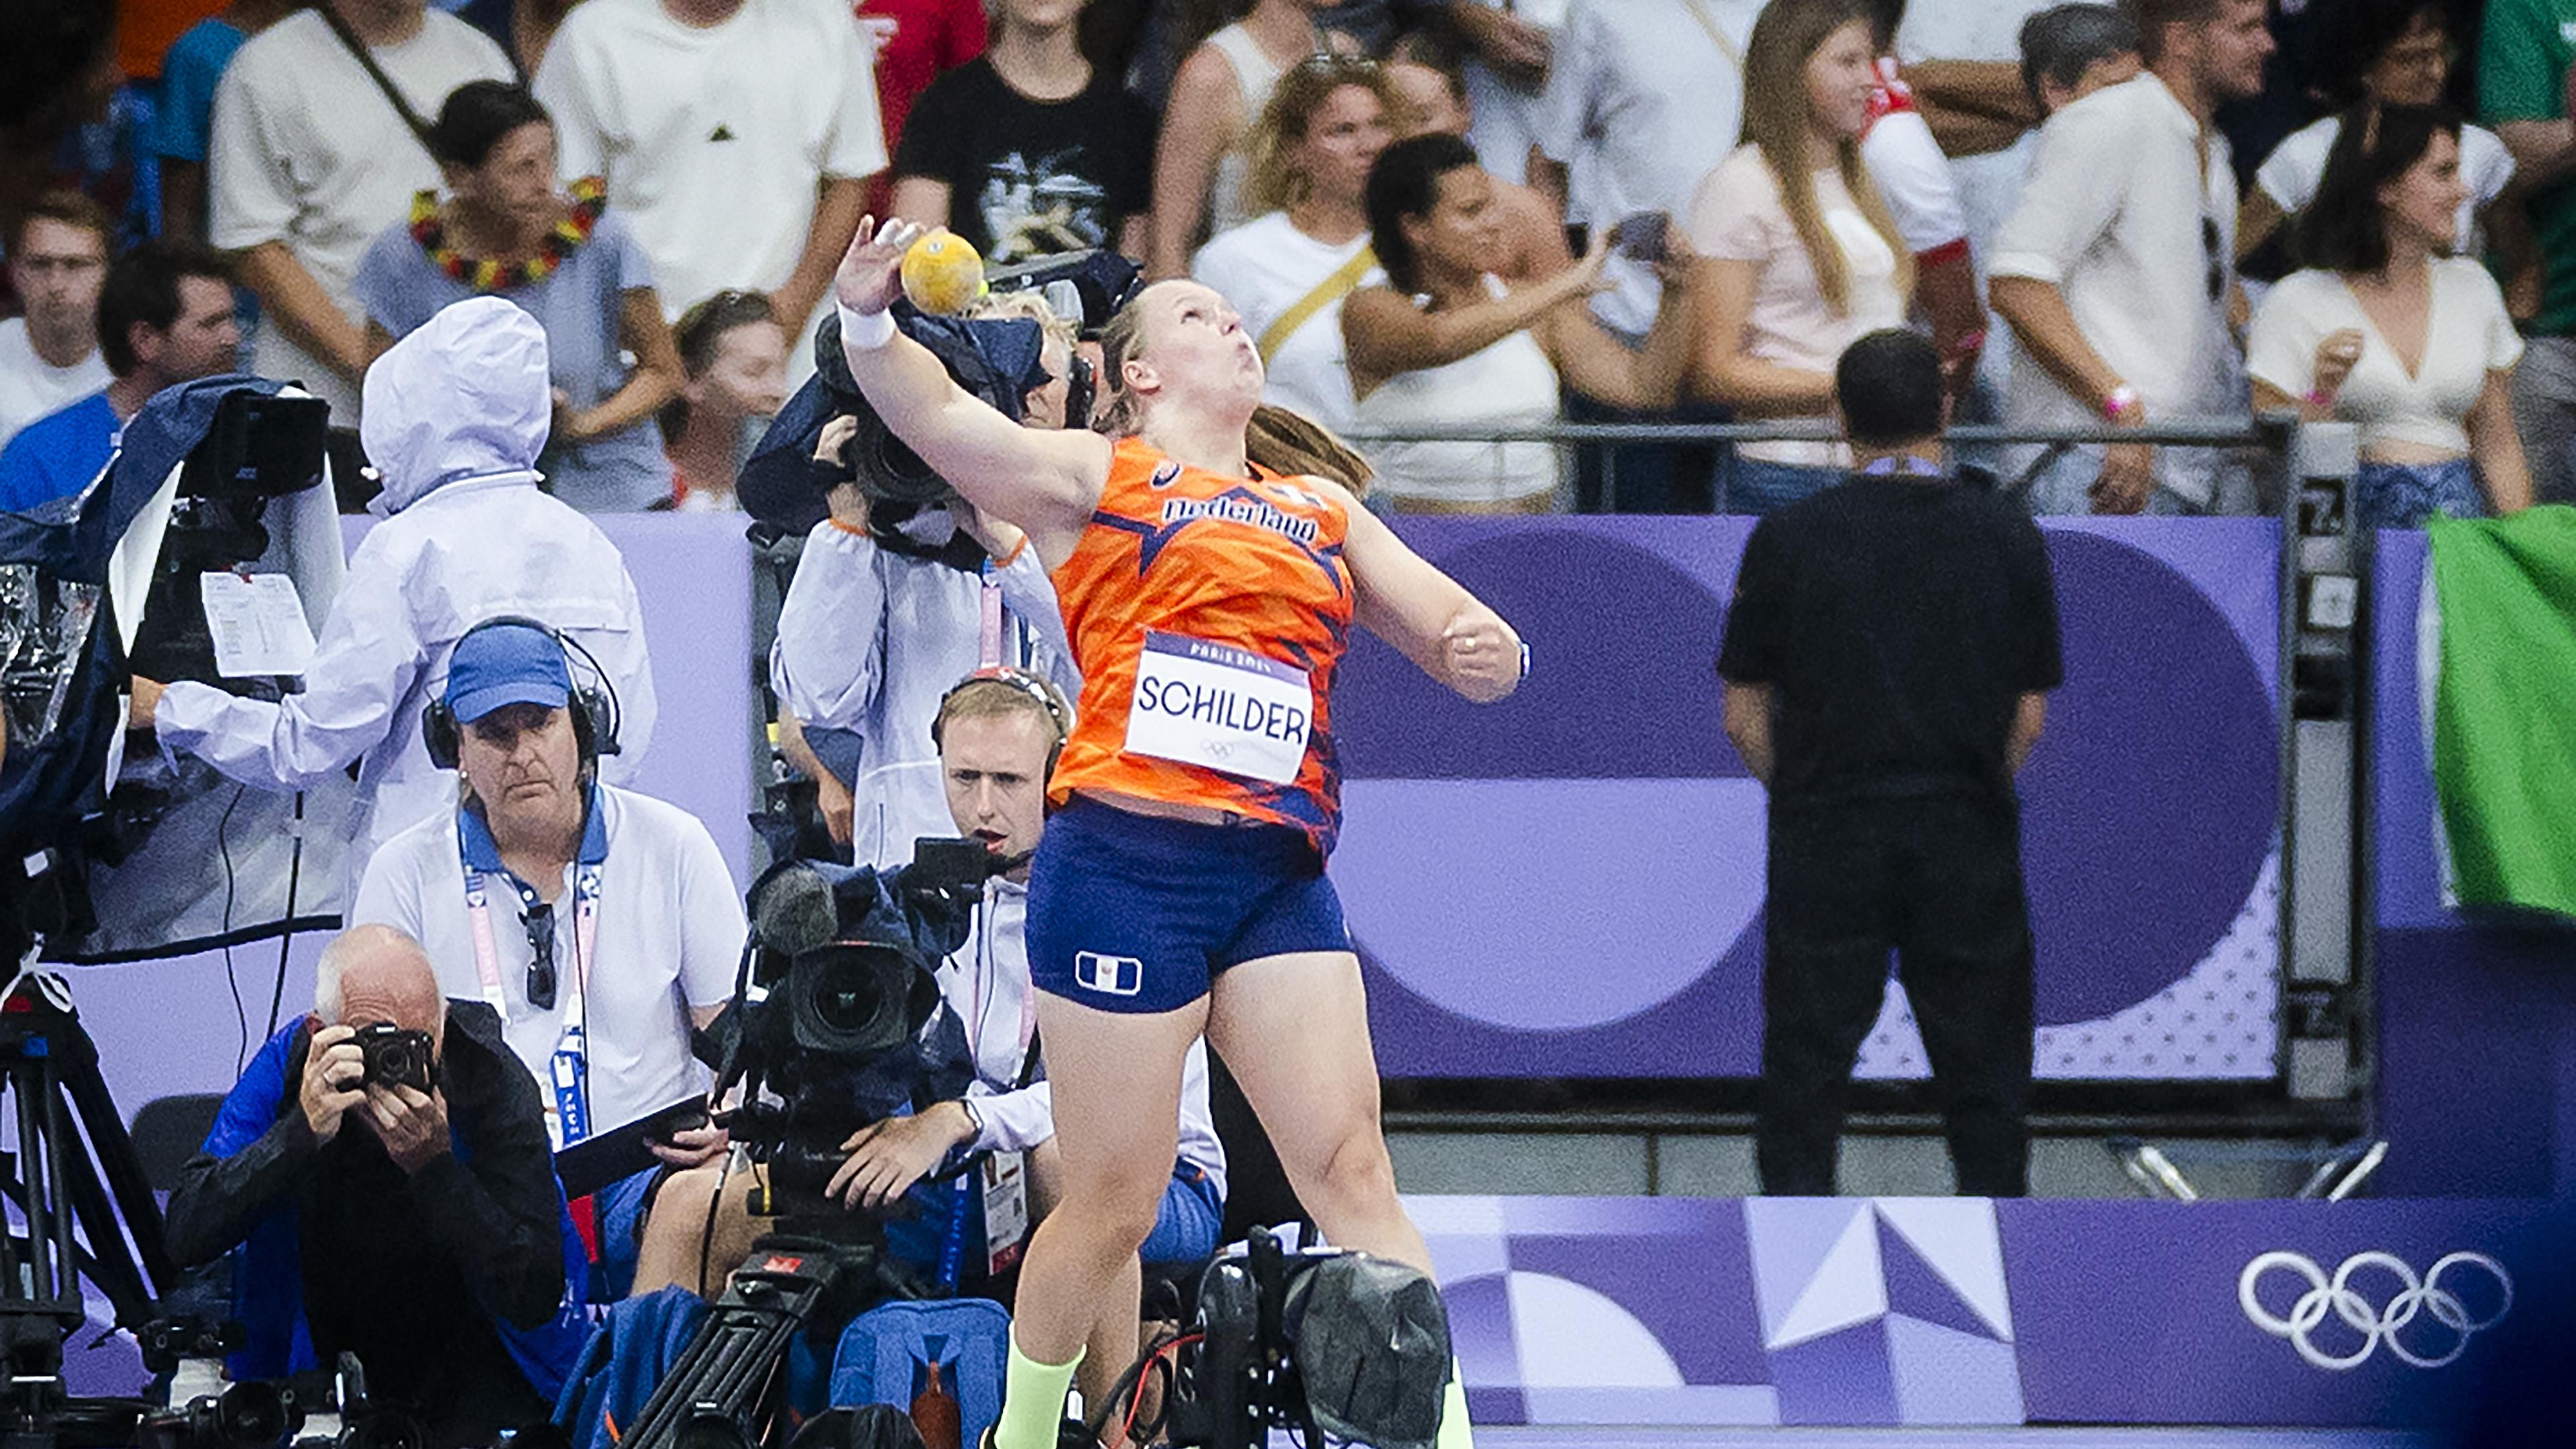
(1938,881)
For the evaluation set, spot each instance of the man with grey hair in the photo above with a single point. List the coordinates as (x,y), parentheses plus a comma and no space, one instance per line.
(383,1168)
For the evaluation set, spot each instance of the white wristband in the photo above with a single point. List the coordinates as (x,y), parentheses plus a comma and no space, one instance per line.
(864,331)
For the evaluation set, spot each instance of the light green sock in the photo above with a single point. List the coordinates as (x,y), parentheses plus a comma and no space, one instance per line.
(1033,1401)
(1455,1431)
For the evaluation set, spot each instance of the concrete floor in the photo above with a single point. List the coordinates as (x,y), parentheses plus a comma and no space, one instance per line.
(1714,1165)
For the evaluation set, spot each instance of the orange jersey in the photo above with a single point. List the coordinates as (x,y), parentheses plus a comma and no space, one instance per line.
(1208,615)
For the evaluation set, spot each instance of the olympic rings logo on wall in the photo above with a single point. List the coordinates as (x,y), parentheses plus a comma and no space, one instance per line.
(2425,1297)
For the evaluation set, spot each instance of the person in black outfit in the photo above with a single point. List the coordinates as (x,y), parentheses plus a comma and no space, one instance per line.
(1028,150)
(1886,661)
(422,1231)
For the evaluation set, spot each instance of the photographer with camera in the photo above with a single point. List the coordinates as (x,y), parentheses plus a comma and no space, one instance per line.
(888,608)
(628,925)
(382,1172)
(457,412)
(997,734)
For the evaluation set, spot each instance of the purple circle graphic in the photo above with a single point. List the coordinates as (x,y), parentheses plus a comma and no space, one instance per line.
(1623,647)
(2148,809)
(2153,796)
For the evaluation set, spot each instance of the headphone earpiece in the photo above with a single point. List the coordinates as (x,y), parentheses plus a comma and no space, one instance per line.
(438,734)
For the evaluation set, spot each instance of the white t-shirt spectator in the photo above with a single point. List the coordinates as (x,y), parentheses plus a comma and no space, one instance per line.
(1912,174)
(1267,266)
(2290,174)
(31,387)
(1739,216)
(2115,218)
(713,139)
(2467,335)
(1979,30)
(1988,186)
(307,151)
(670,935)
(1643,98)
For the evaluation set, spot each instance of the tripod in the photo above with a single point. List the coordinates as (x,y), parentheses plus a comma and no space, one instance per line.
(728,1386)
(79,1192)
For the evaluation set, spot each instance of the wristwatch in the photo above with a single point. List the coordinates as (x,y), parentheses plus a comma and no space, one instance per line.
(973,1118)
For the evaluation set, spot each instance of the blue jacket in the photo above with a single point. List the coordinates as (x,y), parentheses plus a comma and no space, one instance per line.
(240,1192)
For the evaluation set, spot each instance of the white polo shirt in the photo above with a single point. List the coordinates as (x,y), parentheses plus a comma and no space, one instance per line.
(2115,218)
(671,930)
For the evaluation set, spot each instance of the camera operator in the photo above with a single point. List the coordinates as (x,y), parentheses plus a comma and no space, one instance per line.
(886,611)
(997,735)
(382,1171)
(457,412)
(629,928)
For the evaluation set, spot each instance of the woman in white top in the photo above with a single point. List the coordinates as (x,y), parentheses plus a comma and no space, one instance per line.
(1798,254)
(1288,270)
(2387,331)
(1202,156)
(2389,52)
(1445,343)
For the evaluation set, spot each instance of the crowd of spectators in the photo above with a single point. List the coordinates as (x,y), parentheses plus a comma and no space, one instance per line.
(2082,204)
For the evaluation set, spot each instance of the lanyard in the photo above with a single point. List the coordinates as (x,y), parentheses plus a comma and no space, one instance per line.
(989,651)
(569,1069)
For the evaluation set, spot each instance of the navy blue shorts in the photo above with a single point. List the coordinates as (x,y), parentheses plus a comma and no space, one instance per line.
(1134,913)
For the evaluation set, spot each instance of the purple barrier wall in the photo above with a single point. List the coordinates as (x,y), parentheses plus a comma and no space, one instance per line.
(1570,883)
(1964,1311)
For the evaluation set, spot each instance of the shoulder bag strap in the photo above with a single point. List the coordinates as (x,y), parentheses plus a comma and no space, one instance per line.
(1344,280)
(357,49)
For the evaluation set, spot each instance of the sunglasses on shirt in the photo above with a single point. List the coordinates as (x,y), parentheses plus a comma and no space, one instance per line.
(540,922)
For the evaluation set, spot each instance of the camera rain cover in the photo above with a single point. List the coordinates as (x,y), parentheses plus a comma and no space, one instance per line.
(996,359)
(1372,1344)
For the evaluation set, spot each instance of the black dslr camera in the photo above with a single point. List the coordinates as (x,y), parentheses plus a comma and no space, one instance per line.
(397,1057)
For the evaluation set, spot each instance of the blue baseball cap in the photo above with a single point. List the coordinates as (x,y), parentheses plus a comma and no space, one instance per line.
(502,664)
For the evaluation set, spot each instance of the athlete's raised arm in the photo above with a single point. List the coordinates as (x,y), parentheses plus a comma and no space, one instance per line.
(1428,616)
(1046,480)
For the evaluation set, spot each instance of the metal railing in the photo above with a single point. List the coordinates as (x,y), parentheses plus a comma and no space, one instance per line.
(2270,434)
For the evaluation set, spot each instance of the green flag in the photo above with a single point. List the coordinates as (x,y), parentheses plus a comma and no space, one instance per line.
(2504,706)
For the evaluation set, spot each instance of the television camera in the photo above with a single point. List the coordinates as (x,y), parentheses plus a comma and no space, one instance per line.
(835,1041)
(213,476)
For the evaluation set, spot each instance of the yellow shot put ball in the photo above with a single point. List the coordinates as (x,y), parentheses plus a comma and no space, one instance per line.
(942,273)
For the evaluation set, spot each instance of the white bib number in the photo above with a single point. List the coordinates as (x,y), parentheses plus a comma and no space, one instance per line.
(1219,707)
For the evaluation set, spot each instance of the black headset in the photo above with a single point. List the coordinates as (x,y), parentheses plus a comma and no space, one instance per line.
(595,712)
(1026,683)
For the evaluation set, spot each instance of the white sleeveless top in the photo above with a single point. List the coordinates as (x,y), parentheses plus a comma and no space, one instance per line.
(1510,383)
(1257,74)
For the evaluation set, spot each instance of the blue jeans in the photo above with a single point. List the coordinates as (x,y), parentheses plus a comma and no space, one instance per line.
(1185,1226)
(1756,486)
(2404,495)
